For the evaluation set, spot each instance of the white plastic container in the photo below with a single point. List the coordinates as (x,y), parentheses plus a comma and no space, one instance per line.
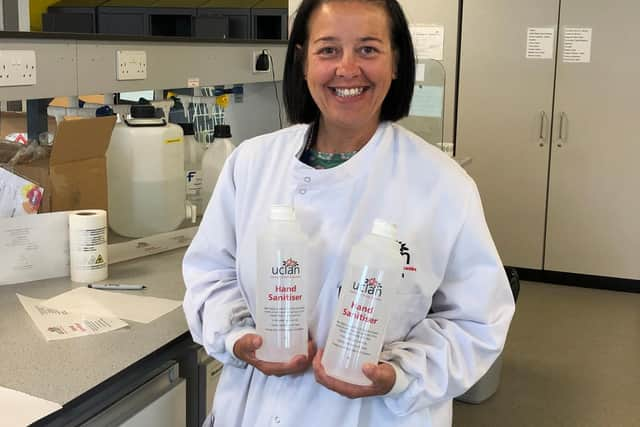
(145,173)
(213,160)
(366,298)
(281,318)
(193,154)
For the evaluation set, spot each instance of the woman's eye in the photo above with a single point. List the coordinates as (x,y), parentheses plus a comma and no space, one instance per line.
(327,51)
(368,50)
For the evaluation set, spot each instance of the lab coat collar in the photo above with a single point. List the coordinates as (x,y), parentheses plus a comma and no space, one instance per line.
(353,167)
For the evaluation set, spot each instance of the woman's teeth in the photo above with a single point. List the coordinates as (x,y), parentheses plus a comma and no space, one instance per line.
(345,93)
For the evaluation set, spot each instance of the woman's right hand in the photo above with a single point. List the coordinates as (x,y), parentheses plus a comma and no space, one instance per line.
(245,349)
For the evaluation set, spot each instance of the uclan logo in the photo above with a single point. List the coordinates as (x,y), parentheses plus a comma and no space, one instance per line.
(289,267)
(370,286)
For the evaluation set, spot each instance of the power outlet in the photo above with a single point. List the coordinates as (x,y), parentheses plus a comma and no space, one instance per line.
(254,62)
(131,65)
(17,67)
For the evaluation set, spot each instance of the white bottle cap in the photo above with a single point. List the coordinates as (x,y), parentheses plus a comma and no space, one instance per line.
(282,213)
(384,229)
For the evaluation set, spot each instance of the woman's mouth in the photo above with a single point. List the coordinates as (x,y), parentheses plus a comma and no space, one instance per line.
(343,92)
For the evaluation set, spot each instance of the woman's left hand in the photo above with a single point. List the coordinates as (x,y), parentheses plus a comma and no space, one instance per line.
(382,375)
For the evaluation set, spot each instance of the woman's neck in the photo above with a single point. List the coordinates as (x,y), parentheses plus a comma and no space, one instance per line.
(333,139)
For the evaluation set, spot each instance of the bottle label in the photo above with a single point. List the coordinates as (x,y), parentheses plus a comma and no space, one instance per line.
(194,187)
(283,303)
(361,319)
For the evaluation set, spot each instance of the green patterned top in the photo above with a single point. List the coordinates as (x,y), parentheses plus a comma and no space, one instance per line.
(319,160)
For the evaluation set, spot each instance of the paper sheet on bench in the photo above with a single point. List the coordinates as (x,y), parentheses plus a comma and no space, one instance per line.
(125,306)
(19,409)
(63,324)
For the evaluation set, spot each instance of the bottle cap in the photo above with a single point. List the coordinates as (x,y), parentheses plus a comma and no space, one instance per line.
(222,131)
(282,213)
(384,229)
(143,111)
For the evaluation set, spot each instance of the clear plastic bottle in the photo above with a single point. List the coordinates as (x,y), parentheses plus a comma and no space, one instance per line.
(213,161)
(281,318)
(193,154)
(367,295)
(145,175)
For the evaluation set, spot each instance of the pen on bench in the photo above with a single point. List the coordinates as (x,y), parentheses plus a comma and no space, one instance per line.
(116,286)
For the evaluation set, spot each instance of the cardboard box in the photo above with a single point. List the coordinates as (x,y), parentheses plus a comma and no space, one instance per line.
(75,174)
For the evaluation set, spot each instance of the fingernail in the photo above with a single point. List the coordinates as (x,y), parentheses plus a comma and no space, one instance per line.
(256,342)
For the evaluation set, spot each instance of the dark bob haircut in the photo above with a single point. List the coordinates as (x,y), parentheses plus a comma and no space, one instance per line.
(299,104)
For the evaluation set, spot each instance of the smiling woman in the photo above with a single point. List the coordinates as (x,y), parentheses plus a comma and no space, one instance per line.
(349,74)
(349,65)
(388,31)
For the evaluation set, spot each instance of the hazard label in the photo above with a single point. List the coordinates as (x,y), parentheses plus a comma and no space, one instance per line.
(99,260)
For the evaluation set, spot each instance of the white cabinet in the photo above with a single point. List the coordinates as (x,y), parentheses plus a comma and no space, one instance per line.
(553,141)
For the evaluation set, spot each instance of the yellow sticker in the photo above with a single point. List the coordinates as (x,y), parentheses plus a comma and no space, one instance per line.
(222,100)
(173,140)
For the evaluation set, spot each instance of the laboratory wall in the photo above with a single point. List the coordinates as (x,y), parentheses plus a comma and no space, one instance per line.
(433,12)
(257,114)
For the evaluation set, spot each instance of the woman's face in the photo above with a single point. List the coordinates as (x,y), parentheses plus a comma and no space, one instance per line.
(349,63)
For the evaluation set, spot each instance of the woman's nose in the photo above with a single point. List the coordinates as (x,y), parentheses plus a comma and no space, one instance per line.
(348,66)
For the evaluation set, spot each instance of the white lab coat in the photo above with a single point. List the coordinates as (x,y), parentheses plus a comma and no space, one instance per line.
(451,268)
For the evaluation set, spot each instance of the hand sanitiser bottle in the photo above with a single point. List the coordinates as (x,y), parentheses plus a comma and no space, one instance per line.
(281,318)
(366,298)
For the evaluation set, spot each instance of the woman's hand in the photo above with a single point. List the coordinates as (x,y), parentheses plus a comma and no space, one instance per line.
(245,349)
(382,375)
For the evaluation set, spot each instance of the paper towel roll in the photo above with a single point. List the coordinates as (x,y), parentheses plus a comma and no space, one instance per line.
(88,246)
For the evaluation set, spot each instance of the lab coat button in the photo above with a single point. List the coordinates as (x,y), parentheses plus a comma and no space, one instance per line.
(276,419)
(307,179)
(302,191)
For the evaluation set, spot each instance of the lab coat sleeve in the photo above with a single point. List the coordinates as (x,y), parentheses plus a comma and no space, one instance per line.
(215,308)
(446,353)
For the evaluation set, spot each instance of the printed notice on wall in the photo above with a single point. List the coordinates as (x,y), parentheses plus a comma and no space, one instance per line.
(427,101)
(577,45)
(540,43)
(428,41)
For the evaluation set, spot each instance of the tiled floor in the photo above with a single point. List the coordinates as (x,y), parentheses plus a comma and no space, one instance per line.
(572,359)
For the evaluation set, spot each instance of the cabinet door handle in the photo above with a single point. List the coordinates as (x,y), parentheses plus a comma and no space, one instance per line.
(543,118)
(561,133)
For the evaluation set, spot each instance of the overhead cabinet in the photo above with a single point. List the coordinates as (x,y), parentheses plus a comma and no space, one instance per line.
(209,19)
(148,17)
(225,19)
(71,16)
(124,17)
(547,111)
(269,20)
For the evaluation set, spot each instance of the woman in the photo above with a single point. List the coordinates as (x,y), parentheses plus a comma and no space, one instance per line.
(349,75)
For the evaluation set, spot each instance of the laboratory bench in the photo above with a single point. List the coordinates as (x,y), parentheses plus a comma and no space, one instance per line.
(97,379)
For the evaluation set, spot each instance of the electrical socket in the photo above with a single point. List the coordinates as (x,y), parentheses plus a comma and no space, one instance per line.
(17,67)
(254,60)
(131,65)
